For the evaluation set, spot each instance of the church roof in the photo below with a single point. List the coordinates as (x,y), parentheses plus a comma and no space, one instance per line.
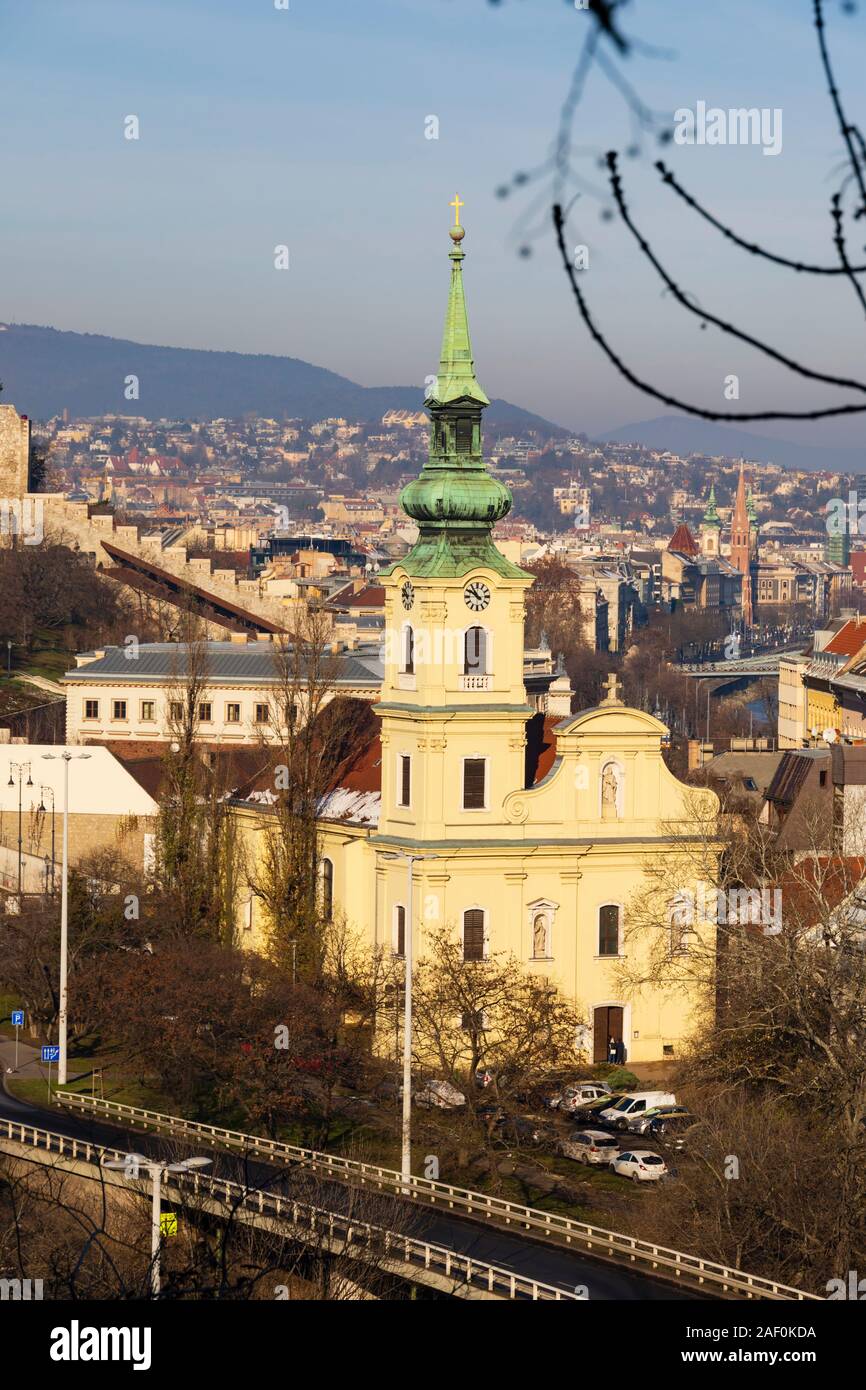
(356,792)
(683,542)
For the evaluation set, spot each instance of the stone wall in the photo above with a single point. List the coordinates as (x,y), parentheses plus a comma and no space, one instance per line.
(14,453)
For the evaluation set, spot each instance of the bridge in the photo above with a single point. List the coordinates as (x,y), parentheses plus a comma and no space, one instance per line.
(736,668)
(469,1245)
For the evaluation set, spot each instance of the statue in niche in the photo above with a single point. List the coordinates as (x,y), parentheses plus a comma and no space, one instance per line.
(539,937)
(610,792)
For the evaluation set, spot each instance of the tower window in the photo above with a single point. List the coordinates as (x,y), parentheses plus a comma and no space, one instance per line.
(608,930)
(399,930)
(473,934)
(464,436)
(408,650)
(475,652)
(404,767)
(474,784)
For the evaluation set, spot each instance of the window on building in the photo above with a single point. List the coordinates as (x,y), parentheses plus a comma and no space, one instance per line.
(399,930)
(608,930)
(408,650)
(822,777)
(175,710)
(263,713)
(404,788)
(233,713)
(475,652)
(91,709)
(148,711)
(205,712)
(327,889)
(473,934)
(118,709)
(474,784)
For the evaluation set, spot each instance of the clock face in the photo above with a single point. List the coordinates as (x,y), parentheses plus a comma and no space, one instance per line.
(476,595)
(407,595)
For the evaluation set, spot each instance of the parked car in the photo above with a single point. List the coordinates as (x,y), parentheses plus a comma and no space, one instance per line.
(633,1104)
(672,1130)
(571,1098)
(517,1130)
(589,1146)
(640,1165)
(440,1095)
(640,1122)
(590,1110)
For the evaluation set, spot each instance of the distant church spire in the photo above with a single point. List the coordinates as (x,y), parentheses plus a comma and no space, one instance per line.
(741,546)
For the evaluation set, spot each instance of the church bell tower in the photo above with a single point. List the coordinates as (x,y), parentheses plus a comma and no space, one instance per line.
(453,705)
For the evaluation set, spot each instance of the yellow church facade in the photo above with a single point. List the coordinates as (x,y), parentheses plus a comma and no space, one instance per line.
(447,820)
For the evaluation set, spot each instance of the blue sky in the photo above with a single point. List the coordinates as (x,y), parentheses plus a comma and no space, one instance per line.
(306,127)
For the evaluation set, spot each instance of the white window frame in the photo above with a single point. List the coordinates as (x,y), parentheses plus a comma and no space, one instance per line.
(608,902)
(404,805)
(395,931)
(472,758)
(90,700)
(488,668)
(476,907)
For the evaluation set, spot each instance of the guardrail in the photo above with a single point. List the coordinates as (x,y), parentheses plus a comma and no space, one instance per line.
(357,1236)
(654,1259)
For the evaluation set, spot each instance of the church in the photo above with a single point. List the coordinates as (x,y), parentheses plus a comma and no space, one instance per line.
(522,833)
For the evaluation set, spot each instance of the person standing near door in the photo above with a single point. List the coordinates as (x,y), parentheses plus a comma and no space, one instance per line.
(611,1049)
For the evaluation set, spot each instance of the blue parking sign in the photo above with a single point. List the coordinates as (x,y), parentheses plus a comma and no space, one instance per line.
(51,1053)
(17,1018)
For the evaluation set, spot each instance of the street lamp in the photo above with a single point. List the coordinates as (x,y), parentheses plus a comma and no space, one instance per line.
(19,770)
(406,1148)
(131,1166)
(43,792)
(64,912)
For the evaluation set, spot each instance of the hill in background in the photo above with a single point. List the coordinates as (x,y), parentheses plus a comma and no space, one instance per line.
(45,371)
(680,434)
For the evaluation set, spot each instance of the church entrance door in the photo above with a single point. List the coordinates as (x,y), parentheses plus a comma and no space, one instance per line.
(606,1024)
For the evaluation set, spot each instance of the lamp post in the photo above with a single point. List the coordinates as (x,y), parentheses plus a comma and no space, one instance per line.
(406,1128)
(64,912)
(131,1166)
(18,770)
(43,792)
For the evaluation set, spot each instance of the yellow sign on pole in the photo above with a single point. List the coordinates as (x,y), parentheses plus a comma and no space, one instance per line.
(168,1223)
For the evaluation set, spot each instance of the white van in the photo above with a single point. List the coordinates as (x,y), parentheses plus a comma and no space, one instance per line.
(636,1103)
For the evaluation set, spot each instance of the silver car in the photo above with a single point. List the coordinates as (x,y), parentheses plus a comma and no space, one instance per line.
(589,1146)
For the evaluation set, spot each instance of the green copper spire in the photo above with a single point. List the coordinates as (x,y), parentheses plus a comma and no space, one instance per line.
(456,379)
(751,509)
(455,501)
(711,515)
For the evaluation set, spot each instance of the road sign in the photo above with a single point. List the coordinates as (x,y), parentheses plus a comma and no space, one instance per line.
(168,1223)
(51,1053)
(17,1018)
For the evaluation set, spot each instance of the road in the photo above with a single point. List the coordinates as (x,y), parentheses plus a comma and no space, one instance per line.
(551,1264)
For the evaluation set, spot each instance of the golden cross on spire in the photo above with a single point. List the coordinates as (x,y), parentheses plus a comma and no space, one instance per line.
(457,204)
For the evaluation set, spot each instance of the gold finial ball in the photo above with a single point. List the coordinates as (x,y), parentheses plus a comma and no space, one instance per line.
(456,233)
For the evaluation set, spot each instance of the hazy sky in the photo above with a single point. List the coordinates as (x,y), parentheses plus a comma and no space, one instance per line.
(306,127)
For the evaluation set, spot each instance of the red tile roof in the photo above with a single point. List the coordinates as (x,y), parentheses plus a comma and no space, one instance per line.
(683,542)
(849,639)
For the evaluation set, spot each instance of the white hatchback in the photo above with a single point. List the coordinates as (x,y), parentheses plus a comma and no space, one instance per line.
(640,1165)
(589,1146)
